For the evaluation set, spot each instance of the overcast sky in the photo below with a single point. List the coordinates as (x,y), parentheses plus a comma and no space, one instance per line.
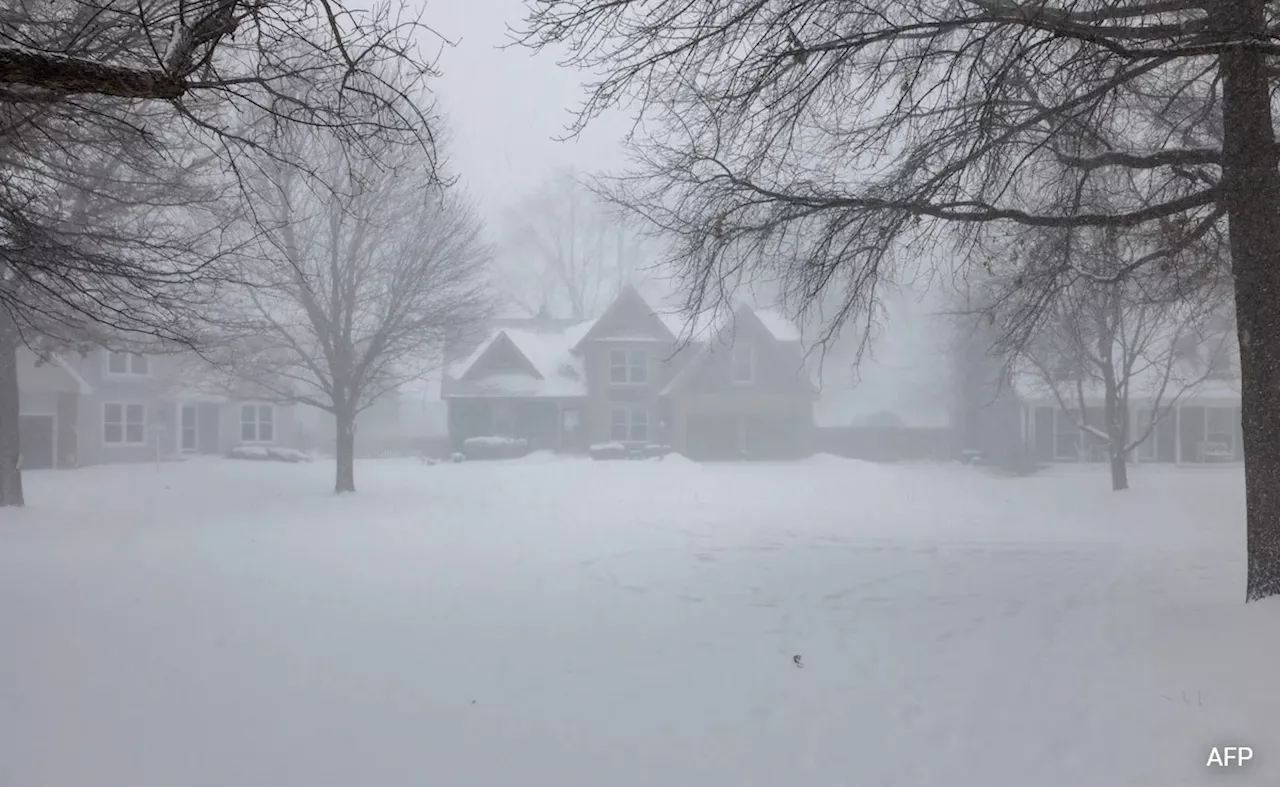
(505,107)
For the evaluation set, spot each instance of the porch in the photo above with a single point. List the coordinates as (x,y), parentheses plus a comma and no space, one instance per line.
(1194,433)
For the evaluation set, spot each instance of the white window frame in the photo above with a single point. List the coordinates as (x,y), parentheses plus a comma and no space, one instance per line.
(194,409)
(629,422)
(632,360)
(258,408)
(735,359)
(124,441)
(1074,435)
(131,361)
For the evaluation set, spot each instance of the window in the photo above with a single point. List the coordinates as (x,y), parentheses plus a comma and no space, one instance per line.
(629,425)
(1066,436)
(127,363)
(1220,431)
(257,423)
(628,367)
(744,365)
(124,424)
(1144,425)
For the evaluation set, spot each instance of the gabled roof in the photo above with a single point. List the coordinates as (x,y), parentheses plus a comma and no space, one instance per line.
(553,370)
(779,326)
(498,342)
(782,332)
(630,297)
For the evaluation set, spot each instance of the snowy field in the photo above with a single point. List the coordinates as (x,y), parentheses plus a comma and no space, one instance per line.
(564,623)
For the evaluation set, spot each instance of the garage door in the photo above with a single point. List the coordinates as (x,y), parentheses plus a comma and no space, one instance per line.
(710,437)
(35,435)
(774,437)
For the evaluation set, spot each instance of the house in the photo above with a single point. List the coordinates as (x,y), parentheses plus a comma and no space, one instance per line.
(1197,422)
(634,376)
(1183,409)
(107,406)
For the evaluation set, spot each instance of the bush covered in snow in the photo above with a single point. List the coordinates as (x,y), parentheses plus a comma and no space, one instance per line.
(254,452)
(1014,461)
(608,451)
(260,453)
(494,448)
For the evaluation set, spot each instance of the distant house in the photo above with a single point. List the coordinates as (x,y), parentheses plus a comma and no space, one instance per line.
(1196,401)
(1199,419)
(632,376)
(120,407)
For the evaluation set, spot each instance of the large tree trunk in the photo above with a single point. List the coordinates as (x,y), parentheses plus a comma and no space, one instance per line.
(10,442)
(346,450)
(1117,432)
(1119,468)
(1251,195)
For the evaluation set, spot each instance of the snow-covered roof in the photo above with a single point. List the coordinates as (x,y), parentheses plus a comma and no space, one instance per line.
(779,326)
(1184,385)
(549,352)
(721,337)
(698,328)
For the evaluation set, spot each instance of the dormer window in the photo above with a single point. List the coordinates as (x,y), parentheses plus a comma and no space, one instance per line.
(129,364)
(743,363)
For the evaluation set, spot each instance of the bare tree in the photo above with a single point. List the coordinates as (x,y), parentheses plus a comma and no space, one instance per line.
(105,240)
(823,137)
(566,252)
(122,131)
(352,71)
(1110,342)
(362,280)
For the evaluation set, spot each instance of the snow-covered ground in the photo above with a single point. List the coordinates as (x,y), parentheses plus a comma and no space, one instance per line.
(577,624)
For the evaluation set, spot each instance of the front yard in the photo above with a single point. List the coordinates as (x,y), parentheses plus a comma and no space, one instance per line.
(608,624)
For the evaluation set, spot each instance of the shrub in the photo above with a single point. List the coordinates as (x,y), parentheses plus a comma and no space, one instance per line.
(1015,461)
(494,448)
(261,453)
(252,452)
(602,451)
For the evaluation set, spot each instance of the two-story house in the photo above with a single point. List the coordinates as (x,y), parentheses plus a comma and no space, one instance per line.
(108,406)
(633,376)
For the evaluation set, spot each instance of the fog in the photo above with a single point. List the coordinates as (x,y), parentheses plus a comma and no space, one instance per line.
(827,404)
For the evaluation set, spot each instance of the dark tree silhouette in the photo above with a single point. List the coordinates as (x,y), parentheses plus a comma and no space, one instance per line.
(365,271)
(124,142)
(825,138)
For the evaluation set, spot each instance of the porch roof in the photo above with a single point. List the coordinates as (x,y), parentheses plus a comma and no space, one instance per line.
(1032,390)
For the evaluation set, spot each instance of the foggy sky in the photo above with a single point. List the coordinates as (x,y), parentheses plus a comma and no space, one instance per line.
(504,108)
